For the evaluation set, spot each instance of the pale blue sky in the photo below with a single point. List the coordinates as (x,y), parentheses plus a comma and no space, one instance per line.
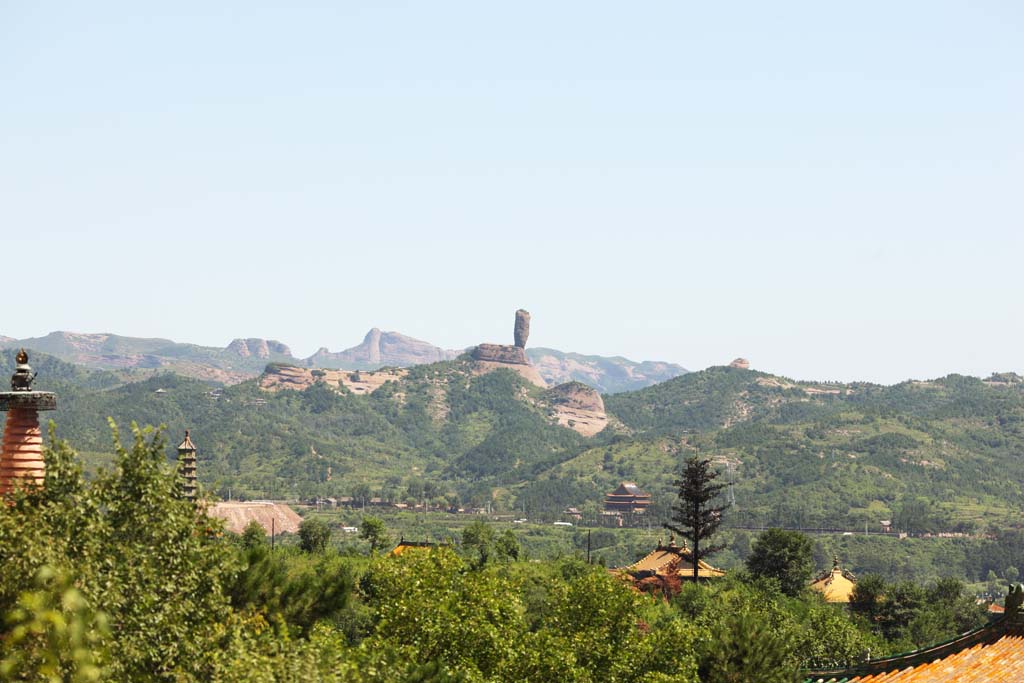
(832,190)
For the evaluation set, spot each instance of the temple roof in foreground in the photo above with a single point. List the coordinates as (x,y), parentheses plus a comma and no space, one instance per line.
(986,655)
(671,559)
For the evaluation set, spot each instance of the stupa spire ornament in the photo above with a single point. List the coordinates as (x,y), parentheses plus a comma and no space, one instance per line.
(21,458)
(23,376)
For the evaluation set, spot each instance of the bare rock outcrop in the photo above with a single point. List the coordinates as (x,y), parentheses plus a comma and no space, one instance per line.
(524,370)
(741,363)
(500,353)
(279,376)
(381,348)
(576,395)
(521,330)
(487,357)
(607,375)
(259,348)
(578,407)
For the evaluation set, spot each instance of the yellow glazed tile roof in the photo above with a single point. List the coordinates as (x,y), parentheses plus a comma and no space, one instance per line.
(660,560)
(999,659)
(836,585)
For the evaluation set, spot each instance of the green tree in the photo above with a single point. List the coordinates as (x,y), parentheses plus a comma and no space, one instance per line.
(694,515)
(743,648)
(829,639)
(361,494)
(314,534)
(478,541)
(783,555)
(868,595)
(132,547)
(916,516)
(506,546)
(993,582)
(468,620)
(253,535)
(372,529)
(55,635)
(292,594)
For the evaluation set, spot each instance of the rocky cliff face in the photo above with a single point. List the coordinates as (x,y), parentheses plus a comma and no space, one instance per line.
(741,363)
(521,331)
(576,406)
(487,357)
(277,377)
(577,396)
(500,353)
(258,348)
(608,375)
(381,349)
(240,361)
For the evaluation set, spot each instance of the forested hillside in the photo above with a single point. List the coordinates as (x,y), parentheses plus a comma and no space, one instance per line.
(943,455)
(938,455)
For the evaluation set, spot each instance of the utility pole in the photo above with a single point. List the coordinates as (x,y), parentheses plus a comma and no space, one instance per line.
(588,546)
(273,532)
(731,467)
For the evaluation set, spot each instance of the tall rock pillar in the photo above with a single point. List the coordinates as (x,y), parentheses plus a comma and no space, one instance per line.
(522,328)
(21,457)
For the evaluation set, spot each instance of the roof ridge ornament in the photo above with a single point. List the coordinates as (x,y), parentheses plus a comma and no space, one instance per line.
(1014,600)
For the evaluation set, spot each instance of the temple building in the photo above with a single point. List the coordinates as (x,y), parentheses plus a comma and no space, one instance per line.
(835,584)
(664,569)
(628,498)
(994,652)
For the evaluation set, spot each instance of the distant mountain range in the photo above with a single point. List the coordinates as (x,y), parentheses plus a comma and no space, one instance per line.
(246,358)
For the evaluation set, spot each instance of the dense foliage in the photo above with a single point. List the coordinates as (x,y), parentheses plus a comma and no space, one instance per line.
(785,556)
(120,579)
(135,550)
(938,456)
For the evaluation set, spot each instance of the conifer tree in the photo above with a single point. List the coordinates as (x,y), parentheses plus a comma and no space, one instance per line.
(695,517)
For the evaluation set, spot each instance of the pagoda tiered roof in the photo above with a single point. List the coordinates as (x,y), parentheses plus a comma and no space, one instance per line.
(628,497)
(187,445)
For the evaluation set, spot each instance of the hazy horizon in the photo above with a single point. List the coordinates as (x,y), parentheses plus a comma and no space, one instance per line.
(829,192)
(305,354)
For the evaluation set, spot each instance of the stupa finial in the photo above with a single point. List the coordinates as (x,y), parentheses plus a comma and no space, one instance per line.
(22,378)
